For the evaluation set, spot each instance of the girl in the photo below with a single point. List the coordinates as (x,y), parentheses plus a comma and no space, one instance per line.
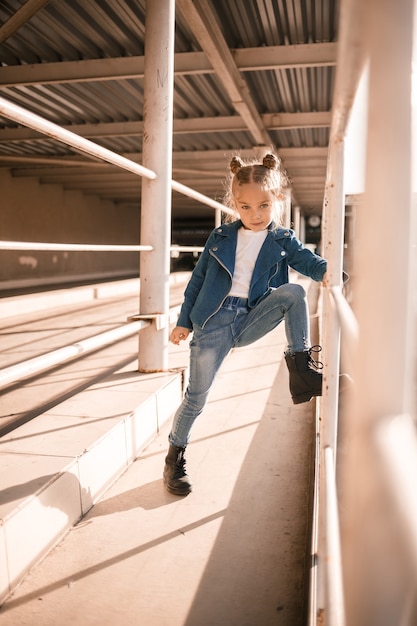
(238,292)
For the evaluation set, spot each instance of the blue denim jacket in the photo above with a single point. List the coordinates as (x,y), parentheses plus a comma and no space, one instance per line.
(211,279)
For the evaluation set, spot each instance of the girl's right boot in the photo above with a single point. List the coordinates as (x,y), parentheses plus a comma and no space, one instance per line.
(175,475)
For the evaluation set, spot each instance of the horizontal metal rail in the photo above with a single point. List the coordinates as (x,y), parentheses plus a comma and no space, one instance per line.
(313,582)
(347,319)
(36,122)
(335,599)
(87,247)
(186,248)
(37,365)
(196,195)
(348,325)
(326,513)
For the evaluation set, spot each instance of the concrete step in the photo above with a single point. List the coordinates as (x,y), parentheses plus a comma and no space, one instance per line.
(54,468)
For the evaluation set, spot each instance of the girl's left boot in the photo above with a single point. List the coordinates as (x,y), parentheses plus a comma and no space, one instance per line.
(175,474)
(305,381)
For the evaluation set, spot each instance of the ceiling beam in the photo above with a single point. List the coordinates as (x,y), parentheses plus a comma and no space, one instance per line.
(305,155)
(198,125)
(186,63)
(201,19)
(20,17)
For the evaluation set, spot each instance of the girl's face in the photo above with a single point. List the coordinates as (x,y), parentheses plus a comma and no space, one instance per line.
(254,205)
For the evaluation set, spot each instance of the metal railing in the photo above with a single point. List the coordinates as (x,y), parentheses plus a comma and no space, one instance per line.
(335,610)
(20,371)
(36,122)
(32,245)
(326,580)
(37,365)
(363,561)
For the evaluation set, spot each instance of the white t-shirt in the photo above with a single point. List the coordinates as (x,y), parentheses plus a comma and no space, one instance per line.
(249,243)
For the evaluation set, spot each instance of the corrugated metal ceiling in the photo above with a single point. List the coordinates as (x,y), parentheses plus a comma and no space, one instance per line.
(79,63)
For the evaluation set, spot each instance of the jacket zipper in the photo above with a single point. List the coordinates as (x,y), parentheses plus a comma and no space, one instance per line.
(274,274)
(221,303)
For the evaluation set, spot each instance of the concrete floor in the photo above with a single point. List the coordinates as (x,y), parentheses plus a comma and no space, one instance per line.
(233,553)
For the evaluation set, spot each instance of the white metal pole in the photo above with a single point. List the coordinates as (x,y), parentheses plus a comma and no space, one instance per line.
(31,120)
(335,613)
(328,408)
(377,562)
(156,194)
(287,207)
(217,218)
(297,221)
(39,364)
(349,63)
(302,234)
(334,228)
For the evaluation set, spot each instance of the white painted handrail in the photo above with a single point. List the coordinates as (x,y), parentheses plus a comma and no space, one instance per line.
(196,195)
(86,247)
(348,325)
(36,122)
(335,602)
(347,318)
(39,364)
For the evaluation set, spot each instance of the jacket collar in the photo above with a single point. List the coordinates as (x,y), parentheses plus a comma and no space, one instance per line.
(270,254)
(231,228)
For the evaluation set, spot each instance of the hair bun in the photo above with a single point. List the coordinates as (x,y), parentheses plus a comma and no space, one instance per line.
(236,164)
(271,162)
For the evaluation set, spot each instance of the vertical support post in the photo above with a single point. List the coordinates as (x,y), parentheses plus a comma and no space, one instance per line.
(156,194)
(302,233)
(332,235)
(217,218)
(334,217)
(296,220)
(286,203)
(377,561)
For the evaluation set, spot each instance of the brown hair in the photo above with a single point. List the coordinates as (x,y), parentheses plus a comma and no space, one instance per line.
(268,174)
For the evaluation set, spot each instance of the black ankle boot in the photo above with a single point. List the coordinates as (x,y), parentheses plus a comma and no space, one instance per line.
(175,475)
(305,380)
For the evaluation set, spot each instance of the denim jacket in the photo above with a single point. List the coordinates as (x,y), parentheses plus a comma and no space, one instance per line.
(211,279)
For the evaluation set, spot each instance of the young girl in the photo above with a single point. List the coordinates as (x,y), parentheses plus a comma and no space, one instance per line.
(238,292)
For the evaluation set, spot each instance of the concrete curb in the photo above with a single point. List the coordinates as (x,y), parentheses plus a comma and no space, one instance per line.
(54,480)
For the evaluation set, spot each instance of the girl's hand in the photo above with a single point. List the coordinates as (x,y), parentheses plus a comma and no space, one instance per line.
(325,280)
(178,334)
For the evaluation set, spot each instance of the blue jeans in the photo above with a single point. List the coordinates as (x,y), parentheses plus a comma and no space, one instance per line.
(232,326)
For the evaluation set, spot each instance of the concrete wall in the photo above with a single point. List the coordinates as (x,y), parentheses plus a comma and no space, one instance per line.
(31,211)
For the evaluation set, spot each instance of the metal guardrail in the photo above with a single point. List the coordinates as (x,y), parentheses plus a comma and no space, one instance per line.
(335,613)
(44,362)
(327,602)
(348,324)
(81,247)
(326,598)
(37,365)
(36,122)
(34,245)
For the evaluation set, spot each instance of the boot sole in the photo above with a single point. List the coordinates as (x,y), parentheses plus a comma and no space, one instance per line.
(306,397)
(178,492)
